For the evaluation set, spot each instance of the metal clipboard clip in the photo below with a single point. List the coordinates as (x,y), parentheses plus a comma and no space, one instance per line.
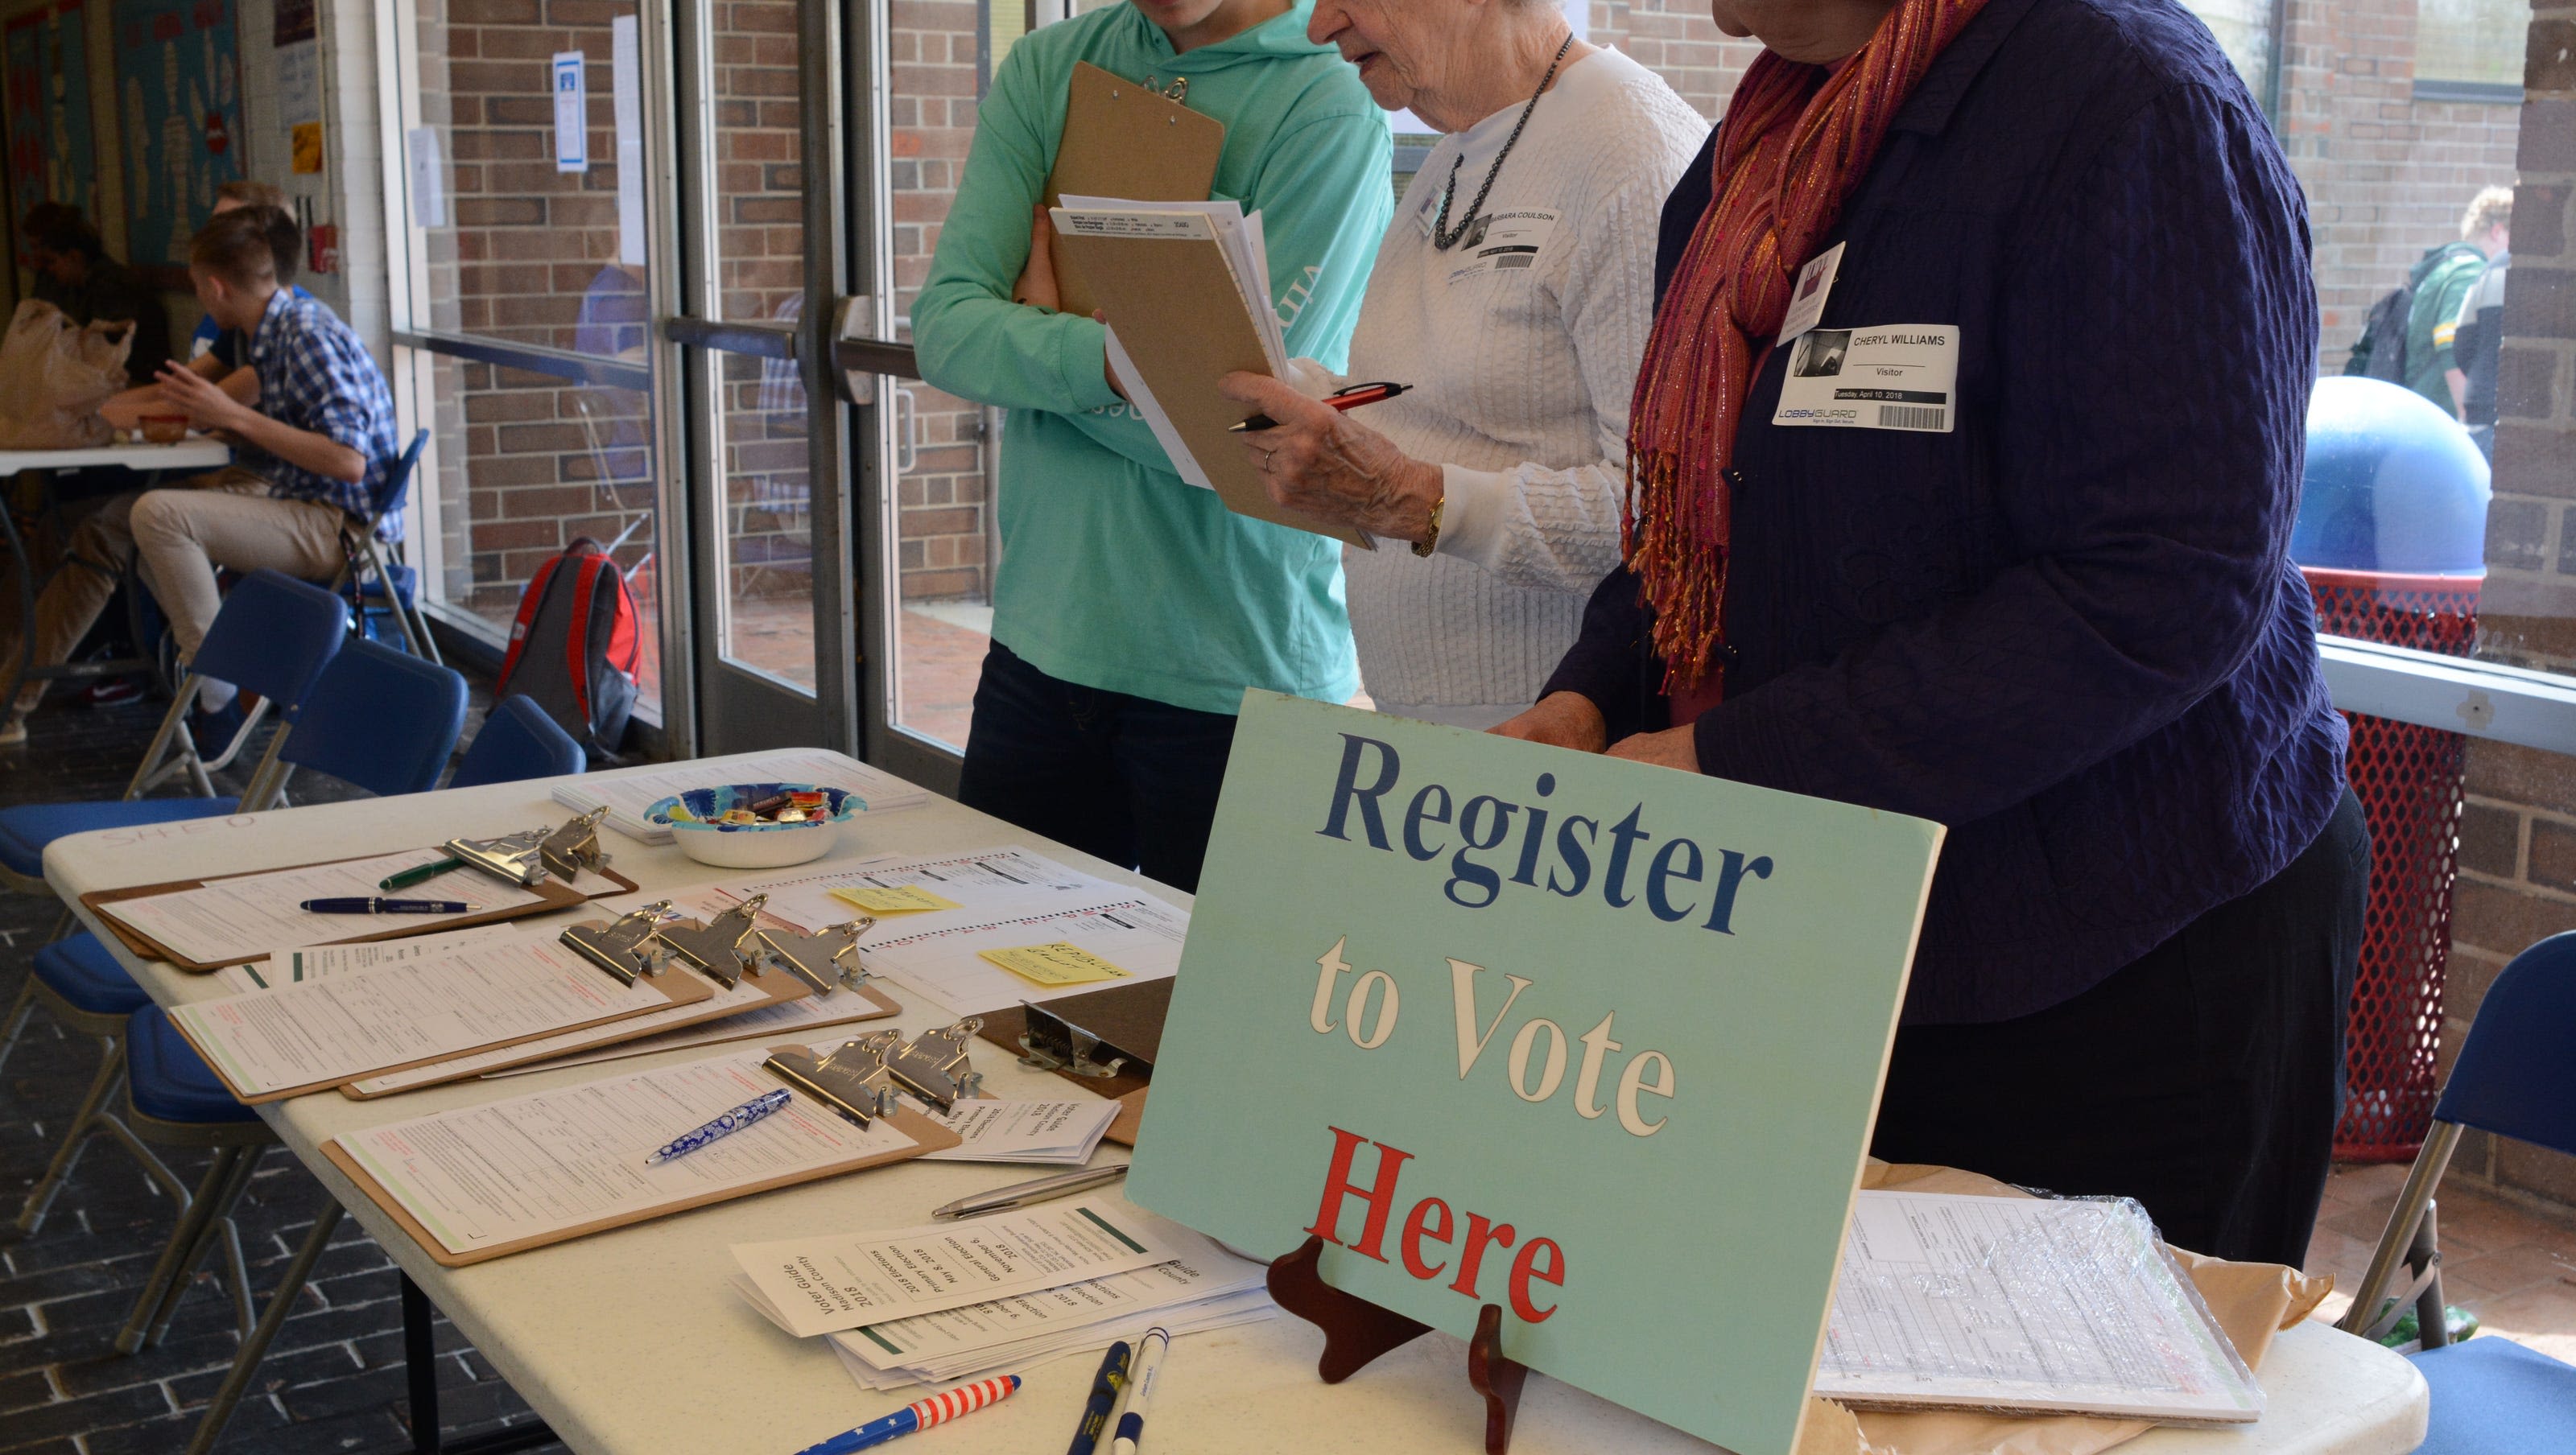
(1052,1043)
(715,949)
(624,947)
(826,960)
(934,1066)
(575,847)
(852,1079)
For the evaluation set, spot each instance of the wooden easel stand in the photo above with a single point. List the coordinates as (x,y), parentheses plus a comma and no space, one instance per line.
(1357,1331)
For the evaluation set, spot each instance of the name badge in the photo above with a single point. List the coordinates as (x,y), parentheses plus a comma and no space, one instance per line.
(1503,242)
(1807,297)
(1897,376)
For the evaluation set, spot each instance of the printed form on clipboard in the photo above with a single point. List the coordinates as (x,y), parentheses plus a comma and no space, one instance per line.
(1185,287)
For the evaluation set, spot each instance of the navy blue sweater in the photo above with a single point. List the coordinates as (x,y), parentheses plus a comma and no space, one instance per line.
(2069,629)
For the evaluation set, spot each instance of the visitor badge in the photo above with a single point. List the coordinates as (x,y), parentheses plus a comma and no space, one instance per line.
(1501,242)
(1807,297)
(1896,376)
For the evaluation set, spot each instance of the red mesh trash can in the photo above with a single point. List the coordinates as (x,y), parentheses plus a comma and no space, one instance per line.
(2408,779)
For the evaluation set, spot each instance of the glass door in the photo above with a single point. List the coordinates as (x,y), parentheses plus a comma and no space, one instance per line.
(772,647)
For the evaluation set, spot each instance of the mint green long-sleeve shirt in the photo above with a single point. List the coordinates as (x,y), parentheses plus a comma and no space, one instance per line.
(1116,574)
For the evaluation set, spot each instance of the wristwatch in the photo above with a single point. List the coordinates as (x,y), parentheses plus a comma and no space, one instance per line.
(1431,538)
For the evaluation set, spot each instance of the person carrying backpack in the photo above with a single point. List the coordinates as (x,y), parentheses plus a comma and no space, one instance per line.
(2421,355)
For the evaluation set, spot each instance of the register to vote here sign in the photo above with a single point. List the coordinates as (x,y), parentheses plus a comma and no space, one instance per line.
(1597,1042)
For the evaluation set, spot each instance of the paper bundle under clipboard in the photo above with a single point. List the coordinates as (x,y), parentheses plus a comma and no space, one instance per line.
(1183,281)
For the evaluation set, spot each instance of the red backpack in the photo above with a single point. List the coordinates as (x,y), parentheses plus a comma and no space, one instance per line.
(576,637)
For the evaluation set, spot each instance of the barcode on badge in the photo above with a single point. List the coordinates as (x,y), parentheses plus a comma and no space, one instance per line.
(1515,260)
(1906,416)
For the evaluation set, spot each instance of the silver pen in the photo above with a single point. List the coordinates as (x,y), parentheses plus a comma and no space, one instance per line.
(1021,1194)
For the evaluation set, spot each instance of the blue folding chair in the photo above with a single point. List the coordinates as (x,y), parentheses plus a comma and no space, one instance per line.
(379,588)
(378,719)
(2516,1078)
(519,740)
(272,637)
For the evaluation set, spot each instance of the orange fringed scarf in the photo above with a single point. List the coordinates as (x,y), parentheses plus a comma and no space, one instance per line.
(1796,141)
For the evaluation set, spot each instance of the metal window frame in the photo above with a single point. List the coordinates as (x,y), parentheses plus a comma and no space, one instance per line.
(2482,700)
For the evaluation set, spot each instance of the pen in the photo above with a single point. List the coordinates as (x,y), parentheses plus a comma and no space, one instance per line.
(370,904)
(948,1404)
(1149,1363)
(723,1126)
(1021,1194)
(1104,1395)
(409,877)
(1351,398)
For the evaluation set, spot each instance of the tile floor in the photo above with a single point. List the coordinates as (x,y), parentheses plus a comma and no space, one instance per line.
(2514,1267)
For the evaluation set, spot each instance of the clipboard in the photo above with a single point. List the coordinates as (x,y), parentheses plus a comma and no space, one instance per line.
(866,1004)
(927,1136)
(1176,310)
(1124,139)
(676,990)
(1126,1017)
(551,895)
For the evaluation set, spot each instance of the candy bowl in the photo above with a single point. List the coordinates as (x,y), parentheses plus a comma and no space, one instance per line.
(756,825)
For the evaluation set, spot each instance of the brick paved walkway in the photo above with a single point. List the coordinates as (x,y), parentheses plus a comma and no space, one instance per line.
(334,1380)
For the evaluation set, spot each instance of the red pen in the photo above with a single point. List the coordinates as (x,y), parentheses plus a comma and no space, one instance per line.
(1351,398)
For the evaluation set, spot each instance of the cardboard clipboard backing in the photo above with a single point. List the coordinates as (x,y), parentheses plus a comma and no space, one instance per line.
(1124,140)
(551,895)
(1175,308)
(927,1136)
(866,1003)
(676,990)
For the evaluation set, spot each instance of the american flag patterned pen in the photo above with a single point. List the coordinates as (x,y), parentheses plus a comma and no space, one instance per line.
(948,1404)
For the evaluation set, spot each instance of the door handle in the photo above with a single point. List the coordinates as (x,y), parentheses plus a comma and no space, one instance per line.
(858,355)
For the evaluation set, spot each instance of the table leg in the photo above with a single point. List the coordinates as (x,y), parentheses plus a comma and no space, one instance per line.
(420,1361)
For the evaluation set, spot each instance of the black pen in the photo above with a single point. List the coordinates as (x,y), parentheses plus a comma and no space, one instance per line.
(1104,1397)
(372,905)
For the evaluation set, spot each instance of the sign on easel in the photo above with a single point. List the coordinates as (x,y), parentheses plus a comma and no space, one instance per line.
(1594,1042)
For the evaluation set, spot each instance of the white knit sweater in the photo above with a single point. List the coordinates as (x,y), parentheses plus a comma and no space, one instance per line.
(1523,377)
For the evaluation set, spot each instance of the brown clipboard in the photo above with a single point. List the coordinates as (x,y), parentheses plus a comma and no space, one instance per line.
(927,1136)
(1122,139)
(866,1004)
(676,990)
(1176,310)
(551,895)
(1129,1016)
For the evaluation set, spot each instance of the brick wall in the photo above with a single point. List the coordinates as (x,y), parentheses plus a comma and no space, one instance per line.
(2518,832)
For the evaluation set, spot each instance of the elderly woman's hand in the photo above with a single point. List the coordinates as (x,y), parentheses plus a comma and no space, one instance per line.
(1560,719)
(1672,748)
(1319,460)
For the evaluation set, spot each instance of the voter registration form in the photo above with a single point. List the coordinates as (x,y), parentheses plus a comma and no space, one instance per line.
(977,884)
(2028,1305)
(482,1177)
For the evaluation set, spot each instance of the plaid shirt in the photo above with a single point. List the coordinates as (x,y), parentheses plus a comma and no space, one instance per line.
(315,375)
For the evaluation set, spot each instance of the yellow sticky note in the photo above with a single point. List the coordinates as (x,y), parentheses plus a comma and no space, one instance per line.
(1056,964)
(892,898)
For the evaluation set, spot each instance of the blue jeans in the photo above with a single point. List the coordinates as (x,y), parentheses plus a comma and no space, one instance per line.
(1129,779)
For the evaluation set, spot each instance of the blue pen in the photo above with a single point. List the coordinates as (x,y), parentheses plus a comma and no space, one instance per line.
(948,1404)
(1140,1395)
(723,1126)
(1104,1397)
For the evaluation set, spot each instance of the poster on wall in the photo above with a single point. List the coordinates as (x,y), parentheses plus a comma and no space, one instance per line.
(299,104)
(180,102)
(50,148)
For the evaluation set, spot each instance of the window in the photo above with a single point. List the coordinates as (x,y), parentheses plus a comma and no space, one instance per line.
(2470,43)
(525,332)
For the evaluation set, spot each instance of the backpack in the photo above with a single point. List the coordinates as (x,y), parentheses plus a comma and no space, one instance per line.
(2381,353)
(576,636)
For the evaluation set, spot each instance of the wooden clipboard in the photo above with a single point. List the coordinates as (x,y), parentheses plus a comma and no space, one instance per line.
(675,989)
(927,1136)
(866,1003)
(1123,140)
(1176,310)
(551,895)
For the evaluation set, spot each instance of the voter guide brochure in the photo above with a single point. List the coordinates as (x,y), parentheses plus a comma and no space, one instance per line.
(824,1284)
(1895,376)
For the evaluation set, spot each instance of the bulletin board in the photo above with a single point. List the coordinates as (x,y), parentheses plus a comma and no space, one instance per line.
(52,149)
(180,107)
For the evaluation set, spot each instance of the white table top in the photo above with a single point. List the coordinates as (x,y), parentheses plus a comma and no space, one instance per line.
(631,1342)
(193,453)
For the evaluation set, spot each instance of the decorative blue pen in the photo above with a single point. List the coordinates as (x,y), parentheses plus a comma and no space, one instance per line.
(723,1126)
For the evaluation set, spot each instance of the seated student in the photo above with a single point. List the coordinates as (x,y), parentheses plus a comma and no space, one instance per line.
(306,461)
(213,350)
(75,274)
